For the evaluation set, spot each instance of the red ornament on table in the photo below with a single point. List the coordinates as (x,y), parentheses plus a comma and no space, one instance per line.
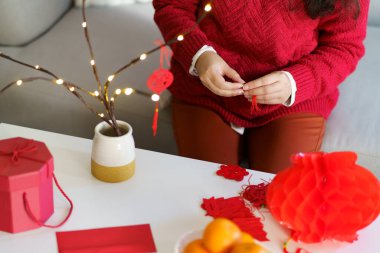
(324,196)
(160,80)
(232,172)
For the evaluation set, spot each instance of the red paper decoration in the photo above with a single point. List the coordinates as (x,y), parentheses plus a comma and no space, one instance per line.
(324,196)
(235,209)
(160,80)
(232,172)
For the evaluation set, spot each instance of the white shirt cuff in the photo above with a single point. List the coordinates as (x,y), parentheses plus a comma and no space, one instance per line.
(239,130)
(293,87)
(193,71)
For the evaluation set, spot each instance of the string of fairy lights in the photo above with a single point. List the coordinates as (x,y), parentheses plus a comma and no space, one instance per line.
(102,92)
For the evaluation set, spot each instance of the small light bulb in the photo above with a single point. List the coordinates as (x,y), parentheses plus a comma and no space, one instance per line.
(96,93)
(128,91)
(59,81)
(155,97)
(84,24)
(101,115)
(19,82)
(208,7)
(37,67)
(110,78)
(143,57)
(112,99)
(180,37)
(72,89)
(92,62)
(118,92)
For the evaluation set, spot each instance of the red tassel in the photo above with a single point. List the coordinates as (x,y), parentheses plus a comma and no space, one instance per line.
(254,106)
(155,120)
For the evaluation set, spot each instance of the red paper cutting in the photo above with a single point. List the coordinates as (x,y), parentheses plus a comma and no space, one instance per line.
(232,172)
(126,239)
(235,210)
(324,196)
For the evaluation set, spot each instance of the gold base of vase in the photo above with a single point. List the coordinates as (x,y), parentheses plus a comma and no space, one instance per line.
(113,174)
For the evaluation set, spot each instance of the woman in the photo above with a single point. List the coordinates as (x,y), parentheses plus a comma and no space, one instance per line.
(288,56)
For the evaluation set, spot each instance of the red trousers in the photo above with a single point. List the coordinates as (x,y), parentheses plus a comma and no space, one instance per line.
(201,134)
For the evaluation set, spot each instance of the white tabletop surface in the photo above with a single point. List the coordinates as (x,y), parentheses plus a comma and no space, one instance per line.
(165,192)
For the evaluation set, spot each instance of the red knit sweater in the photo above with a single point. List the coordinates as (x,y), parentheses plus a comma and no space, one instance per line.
(257,37)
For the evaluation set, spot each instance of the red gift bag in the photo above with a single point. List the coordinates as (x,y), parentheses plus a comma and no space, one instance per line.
(26,185)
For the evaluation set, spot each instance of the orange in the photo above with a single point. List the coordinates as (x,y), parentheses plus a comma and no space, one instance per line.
(220,235)
(195,246)
(248,248)
(246,238)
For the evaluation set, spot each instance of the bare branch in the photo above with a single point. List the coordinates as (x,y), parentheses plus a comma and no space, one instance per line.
(151,51)
(25,80)
(37,67)
(87,35)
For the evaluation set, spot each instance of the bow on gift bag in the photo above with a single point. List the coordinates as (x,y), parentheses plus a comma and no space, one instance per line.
(26,185)
(324,196)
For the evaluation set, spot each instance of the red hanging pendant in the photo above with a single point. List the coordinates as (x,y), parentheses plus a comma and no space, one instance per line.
(160,80)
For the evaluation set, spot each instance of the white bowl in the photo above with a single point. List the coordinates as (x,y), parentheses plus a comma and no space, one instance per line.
(197,234)
(186,239)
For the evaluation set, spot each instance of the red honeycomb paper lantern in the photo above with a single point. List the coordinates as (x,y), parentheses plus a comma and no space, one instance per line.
(324,196)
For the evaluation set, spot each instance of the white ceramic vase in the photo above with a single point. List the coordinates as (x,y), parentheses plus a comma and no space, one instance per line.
(113,158)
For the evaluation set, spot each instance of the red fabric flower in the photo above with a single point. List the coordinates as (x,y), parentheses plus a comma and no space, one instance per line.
(235,210)
(324,196)
(232,172)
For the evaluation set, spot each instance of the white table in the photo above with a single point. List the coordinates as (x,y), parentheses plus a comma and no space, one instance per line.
(165,192)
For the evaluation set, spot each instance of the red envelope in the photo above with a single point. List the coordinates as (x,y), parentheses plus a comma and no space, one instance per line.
(126,239)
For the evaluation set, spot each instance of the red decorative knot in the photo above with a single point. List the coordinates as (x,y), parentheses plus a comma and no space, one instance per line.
(255,194)
(159,80)
(232,172)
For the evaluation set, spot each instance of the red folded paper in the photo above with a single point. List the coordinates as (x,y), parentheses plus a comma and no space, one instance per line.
(235,209)
(126,239)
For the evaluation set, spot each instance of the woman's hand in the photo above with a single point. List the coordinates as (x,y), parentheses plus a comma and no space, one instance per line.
(271,89)
(212,69)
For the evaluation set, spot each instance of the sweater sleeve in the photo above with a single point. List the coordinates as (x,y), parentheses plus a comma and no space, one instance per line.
(340,47)
(174,17)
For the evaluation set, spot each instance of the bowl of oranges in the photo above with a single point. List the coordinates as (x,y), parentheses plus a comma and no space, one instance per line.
(220,236)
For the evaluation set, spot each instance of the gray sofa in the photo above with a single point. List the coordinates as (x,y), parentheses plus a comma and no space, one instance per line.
(120,33)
